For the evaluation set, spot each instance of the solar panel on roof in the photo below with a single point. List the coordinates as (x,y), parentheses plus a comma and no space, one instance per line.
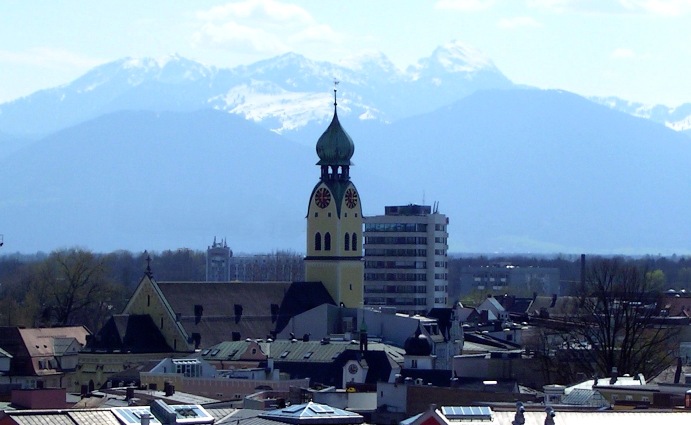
(467,412)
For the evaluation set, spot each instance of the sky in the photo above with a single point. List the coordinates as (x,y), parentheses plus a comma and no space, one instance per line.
(637,50)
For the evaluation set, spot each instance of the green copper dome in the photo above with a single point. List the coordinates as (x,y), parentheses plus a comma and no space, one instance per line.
(335,147)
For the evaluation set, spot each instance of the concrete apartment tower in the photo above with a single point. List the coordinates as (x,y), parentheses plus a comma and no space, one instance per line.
(334,220)
(218,256)
(406,259)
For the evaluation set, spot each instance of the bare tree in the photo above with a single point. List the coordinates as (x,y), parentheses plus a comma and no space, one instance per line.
(71,287)
(616,325)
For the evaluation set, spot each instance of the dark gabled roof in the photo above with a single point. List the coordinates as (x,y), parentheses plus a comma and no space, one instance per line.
(556,306)
(225,311)
(136,333)
(301,297)
(489,340)
(443,316)
(516,305)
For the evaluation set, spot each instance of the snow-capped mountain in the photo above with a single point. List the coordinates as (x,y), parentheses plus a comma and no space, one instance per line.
(677,118)
(144,153)
(283,94)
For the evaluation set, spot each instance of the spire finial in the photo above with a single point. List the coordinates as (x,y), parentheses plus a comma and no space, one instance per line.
(148,265)
(335,90)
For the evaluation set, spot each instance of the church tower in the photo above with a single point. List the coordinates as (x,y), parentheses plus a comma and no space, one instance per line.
(334,220)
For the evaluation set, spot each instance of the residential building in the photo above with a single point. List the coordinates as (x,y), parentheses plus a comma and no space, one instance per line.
(406,259)
(41,357)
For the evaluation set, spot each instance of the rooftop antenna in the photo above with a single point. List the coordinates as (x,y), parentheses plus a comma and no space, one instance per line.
(423,197)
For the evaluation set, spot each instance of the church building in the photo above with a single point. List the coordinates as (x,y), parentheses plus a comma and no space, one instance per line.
(334,220)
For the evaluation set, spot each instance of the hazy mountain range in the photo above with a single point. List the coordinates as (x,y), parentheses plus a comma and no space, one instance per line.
(143,154)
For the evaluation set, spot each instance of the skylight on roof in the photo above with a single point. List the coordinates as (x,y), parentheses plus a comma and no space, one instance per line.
(467,412)
(321,408)
(133,415)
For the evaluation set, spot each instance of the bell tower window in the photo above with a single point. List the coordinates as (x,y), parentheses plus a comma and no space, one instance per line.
(346,242)
(354,241)
(327,241)
(318,241)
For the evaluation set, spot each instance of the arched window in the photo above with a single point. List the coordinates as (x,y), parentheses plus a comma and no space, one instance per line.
(354,244)
(318,242)
(346,242)
(327,241)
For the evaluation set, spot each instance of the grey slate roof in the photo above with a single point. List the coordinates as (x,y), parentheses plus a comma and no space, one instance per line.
(239,310)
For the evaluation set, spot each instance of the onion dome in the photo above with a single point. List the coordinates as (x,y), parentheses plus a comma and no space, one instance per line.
(417,345)
(335,147)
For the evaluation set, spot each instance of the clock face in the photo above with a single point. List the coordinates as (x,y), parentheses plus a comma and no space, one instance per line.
(351,198)
(322,198)
(352,368)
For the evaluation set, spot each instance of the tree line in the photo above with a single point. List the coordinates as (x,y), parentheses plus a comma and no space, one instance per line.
(78,287)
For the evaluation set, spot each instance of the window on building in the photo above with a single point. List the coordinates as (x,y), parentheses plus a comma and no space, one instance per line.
(346,242)
(354,242)
(327,241)
(318,242)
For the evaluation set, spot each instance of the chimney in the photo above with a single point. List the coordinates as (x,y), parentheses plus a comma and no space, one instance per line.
(615,375)
(554,301)
(519,417)
(145,418)
(677,373)
(549,416)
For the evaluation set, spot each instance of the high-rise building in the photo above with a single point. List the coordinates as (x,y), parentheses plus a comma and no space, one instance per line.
(218,262)
(334,220)
(406,259)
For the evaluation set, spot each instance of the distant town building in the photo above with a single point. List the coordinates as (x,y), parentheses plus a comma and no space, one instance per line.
(275,267)
(406,259)
(507,278)
(218,262)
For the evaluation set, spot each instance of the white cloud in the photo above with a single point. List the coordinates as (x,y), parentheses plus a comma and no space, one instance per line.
(518,22)
(659,7)
(651,7)
(464,5)
(261,26)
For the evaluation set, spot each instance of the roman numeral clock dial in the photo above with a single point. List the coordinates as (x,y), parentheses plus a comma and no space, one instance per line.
(351,198)
(322,198)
